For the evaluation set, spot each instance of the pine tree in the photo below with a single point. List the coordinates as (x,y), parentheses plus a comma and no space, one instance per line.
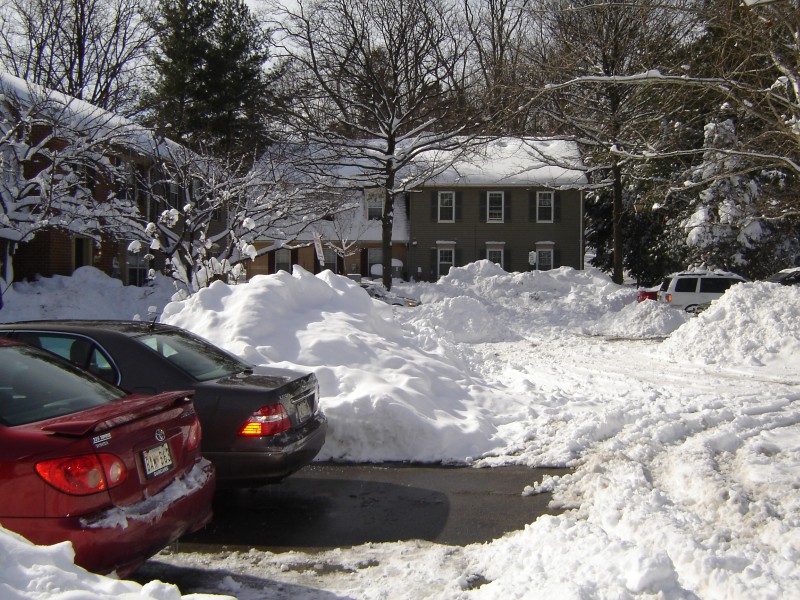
(182,27)
(239,100)
(212,90)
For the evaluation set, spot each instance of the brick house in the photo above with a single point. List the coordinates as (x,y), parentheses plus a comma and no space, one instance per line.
(57,251)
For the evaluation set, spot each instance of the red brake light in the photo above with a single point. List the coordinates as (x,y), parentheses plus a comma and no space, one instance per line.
(83,475)
(193,436)
(268,420)
(669,297)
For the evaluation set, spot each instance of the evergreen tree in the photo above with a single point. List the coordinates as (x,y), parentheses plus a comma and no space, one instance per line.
(212,90)
(239,97)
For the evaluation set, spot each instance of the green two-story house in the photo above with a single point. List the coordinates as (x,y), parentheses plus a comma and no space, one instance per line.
(517,202)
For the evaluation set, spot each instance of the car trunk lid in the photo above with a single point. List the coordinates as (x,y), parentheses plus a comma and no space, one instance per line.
(149,434)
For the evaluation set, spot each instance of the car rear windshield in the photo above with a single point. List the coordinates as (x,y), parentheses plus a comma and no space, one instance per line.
(36,385)
(192,355)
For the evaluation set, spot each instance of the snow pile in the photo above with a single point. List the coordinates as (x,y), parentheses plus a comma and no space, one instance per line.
(584,301)
(31,572)
(752,324)
(87,294)
(647,319)
(385,397)
(686,451)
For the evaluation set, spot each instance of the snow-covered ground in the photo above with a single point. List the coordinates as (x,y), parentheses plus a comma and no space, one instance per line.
(684,433)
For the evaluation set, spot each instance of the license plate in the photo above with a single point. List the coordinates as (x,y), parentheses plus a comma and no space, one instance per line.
(157,460)
(303,411)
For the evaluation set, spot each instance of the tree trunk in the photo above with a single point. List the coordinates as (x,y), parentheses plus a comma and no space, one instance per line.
(617,262)
(387,222)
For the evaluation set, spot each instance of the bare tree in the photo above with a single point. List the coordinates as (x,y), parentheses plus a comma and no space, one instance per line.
(738,71)
(749,60)
(344,230)
(588,50)
(500,30)
(205,214)
(54,151)
(93,50)
(383,83)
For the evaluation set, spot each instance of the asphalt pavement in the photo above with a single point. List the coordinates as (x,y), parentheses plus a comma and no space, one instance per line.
(327,505)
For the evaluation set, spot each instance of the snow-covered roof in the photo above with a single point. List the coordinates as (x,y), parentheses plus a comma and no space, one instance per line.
(516,161)
(84,117)
(508,161)
(351,224)
(355,225)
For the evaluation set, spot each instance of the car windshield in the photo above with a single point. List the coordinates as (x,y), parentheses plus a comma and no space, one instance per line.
(36,385)
(192,355)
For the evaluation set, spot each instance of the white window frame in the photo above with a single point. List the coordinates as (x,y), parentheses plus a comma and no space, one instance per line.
(130,190)
(499,252)
(451,196)
(137,266)
(374,257)
(441,253)
(540,197)
(374,205)
(496,195)
(540,254)
(331,257)
(282,264)
(10,167)
(174,195)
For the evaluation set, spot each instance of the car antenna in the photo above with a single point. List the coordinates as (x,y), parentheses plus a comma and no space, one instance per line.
(152,324)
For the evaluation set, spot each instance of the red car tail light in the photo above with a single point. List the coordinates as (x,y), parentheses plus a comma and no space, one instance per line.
(194,435)
(268,420)
(83,475)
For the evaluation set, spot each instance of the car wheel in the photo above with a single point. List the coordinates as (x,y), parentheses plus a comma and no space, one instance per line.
(696,309)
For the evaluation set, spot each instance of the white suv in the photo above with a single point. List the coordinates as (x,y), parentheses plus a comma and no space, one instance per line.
(693,291)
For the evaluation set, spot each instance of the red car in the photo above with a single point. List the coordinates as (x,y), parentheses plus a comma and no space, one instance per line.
(120,476)
(649,294)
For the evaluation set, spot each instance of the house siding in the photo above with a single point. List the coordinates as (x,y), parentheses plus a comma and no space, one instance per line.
(517,235)
(53,252)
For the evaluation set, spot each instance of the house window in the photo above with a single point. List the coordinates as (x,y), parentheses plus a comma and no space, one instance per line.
(544,207)
(544,260)
(494,207)
(138,267)
(329,254)
(283,260)
(130,183)
(155,207)
(375,261)
(374,206)
(445,261)
(495,255)
(447,207)
(10,167)
(173,194)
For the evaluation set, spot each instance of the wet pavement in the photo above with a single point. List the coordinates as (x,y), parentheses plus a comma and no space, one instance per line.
(327,506)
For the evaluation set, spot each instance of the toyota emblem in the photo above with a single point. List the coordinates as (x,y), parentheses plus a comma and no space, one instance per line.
(160,435)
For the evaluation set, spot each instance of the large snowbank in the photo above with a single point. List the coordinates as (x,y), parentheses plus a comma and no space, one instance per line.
(386,398)
(754,324)
(683,432)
